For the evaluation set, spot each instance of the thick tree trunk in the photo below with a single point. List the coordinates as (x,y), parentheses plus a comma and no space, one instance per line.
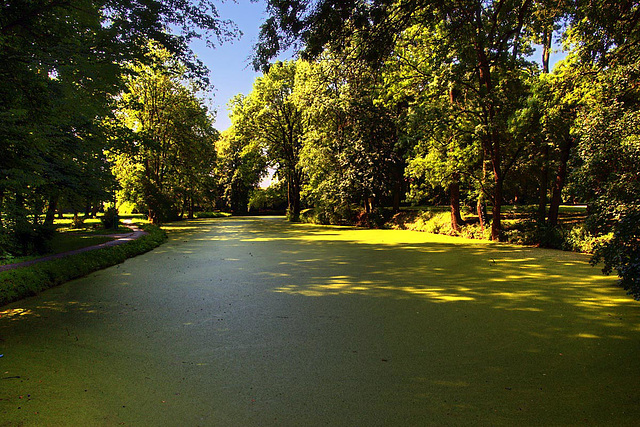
(454,201)
(397,188)
(558,185)
(293,185)
(190,214)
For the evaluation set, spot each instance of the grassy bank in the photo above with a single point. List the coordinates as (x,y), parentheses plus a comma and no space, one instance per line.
(518,222)
(28,281)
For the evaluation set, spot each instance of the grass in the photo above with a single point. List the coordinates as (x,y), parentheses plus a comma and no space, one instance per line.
(68,238)
(519,226)
(27,281)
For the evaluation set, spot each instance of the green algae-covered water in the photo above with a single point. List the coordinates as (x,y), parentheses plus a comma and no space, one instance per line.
(256,322)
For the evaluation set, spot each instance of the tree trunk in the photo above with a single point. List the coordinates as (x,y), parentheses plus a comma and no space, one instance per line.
(481,207)
(558,185)
(1,207)
(544,171)
(51,211)
(496,222)
(546,49)
(190,214)
(397,188)
(293,185)
(544,184)
(152,217)
(454,201)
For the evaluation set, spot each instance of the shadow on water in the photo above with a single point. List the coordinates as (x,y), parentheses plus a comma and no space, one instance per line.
(316,261)
(418,324)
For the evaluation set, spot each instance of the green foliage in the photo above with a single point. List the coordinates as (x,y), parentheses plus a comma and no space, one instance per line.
(211,214)
(273,197)
(77,222)
(110,219)
(62,67)
(269,120)
(166,165)
(351,153)
(240,167)
(26,281)
(622,252)
(428,221)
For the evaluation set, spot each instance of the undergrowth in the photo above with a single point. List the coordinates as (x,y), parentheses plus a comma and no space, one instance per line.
(28,281)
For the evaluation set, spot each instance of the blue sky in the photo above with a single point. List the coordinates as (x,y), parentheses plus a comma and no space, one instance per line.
(230,64)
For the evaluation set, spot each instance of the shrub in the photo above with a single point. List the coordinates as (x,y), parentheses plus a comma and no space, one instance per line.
(27,281)
(622,252)
(578,239)
(77,221)
(211,214)
(110,219)
(327,213)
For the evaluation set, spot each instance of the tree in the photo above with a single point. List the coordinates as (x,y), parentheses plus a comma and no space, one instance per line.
(270,116)
(62,64)
(241,163)
(352,154)
(171,144)
(483,43)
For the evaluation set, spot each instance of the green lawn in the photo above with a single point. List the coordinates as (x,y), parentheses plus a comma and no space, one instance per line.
(91,233)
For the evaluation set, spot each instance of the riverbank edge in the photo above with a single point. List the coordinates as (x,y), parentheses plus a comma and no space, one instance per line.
(28,281)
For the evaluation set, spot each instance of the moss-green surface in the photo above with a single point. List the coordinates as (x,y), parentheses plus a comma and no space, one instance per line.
(241,322)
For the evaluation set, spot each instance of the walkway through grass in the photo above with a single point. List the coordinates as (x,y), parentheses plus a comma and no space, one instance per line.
(255,322)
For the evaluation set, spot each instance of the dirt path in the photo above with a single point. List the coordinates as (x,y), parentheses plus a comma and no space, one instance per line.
(118,240)
(255,322)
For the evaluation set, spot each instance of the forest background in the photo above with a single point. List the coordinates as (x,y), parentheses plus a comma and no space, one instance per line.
(391,104)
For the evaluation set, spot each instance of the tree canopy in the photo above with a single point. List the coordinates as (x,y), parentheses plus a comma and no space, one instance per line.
(389,103)
(469,111)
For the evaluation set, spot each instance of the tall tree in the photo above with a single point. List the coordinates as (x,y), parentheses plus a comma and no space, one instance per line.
(241,162)
(270,116)
(61,64)
(351,150)
(484,44)
(171,141)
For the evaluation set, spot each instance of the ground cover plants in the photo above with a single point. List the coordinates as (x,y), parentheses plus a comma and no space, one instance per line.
(30,280)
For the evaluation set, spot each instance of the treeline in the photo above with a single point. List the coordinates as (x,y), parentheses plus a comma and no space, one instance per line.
(455,102)
(101,103)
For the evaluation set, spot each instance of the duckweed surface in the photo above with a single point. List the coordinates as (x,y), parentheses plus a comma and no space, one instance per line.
(256,322)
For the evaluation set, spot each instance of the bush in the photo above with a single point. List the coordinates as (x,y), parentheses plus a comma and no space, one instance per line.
(427,221)
(27,281)
(77,222)
(110,219)
(622,252)
(32,239)
(326,213)
(308,216)
(211,214)
(578,239)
